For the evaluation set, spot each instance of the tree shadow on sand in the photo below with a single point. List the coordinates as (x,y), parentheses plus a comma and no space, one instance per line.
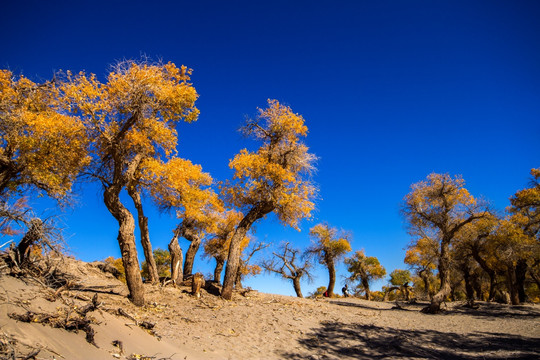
(482,309)
(354,341)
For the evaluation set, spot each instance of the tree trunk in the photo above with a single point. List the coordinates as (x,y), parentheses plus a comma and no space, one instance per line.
(425,278)
(444,275)
(135,195)
(32,236)
(296,284)
(388,291)
(491,273)
(521,273)
(477,285)
(219,269)
(126,240)
(238,281)
(331,276)
(233,260)
(405,291)
(492,285)
(176,259)
(512,285)
(365,283)
(468,284)
(534,276)
(195,240)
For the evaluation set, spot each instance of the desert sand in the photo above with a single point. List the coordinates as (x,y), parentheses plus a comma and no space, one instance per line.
(252,326)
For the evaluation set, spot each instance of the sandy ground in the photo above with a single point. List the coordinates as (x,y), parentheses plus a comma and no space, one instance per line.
(260,326)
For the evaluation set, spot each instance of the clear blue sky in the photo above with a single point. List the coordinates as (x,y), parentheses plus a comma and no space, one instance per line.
(391,91)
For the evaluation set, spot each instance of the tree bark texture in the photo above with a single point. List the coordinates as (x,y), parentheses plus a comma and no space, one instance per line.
(145,235)
(521,273)
(444,275)
(469,289)
(126,240)
(296,285)
(195,240)
(425,278)
(176,259)
(512,285)
(220,262)
(331,276)
(489,271)
(365,284)
(238,281)
(233,260)
(32,236)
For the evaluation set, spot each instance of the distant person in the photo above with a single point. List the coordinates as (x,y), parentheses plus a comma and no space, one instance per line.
(345,290)
(325,293)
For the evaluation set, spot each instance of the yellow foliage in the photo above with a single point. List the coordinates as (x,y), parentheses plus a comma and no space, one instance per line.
(274,174)
(40,146)
(329,245)
(183,186)
(364,268)
(135,112)
(424,253)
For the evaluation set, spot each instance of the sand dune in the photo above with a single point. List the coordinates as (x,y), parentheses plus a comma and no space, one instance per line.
(255,326)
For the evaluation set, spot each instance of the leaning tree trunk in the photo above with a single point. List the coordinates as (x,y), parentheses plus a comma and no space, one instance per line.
(388,291)
(233,260)
(145,235)
(32,236)
(491,273)
(219,269)
(365,283)
(176,259)
(297,289)
(444,275)
(126,240)
(331,276)
(190,234)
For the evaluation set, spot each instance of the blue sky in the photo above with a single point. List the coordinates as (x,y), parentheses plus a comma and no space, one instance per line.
(391,91)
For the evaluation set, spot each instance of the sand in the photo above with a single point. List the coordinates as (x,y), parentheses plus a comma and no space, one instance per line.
(259,326)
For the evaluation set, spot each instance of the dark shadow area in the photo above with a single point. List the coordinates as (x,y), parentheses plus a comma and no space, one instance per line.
(404,305)
(483,310)
(351,341)
(495,311)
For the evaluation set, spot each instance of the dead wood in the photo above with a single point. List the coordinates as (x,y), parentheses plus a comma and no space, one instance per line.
(125,314)
(108,268)
(63,320)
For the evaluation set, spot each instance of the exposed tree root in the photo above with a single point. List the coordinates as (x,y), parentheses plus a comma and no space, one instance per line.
(66,319)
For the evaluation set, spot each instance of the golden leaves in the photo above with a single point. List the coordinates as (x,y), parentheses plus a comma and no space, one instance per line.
(364,267)
(277,172)
(181,185)
(136,110)
(328,243)
(44,147)
(439,202)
